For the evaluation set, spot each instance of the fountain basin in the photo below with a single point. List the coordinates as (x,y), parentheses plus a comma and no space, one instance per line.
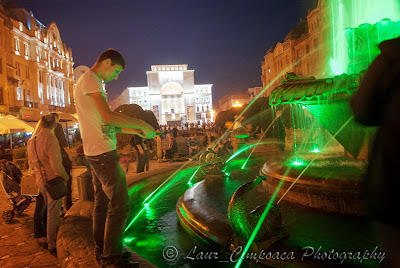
(326,185)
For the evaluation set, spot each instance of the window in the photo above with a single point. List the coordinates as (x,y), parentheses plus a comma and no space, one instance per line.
(207,99)
(202,99)
(1,95)
(16,45)
(198,109)
(19,93)
(18,69)
(144,93)
(26,50)
(27,72)
(315,42)
(197,99)
(299,53)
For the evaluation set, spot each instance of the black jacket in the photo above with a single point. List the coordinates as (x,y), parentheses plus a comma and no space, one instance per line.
(377,103)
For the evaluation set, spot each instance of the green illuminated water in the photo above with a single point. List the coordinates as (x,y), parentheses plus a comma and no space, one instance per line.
(358,26)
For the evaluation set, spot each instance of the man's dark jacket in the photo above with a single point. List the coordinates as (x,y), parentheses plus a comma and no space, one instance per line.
(377,103)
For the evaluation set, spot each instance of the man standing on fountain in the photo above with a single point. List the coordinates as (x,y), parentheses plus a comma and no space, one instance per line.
(377,103)
(98,126)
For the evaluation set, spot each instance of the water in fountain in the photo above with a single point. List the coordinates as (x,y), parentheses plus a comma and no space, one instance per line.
(357,28)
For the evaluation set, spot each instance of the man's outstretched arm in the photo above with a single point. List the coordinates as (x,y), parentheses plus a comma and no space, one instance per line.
(119,120)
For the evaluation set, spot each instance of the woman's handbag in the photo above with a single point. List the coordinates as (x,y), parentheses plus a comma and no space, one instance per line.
(56,187)
(28,185)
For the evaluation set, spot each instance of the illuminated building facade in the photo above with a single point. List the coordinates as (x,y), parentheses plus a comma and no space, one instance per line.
(36,67)
(235,100)
(172,95)
(304,50)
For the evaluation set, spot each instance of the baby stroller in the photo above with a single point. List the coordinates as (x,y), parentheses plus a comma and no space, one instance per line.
(10,182)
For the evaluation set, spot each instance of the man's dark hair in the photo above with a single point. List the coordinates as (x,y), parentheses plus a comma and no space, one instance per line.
(114,56)
(48,121)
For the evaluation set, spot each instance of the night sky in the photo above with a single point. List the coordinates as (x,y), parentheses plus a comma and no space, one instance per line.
(223,41)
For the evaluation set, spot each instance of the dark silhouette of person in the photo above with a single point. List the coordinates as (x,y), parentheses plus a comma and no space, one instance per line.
(377,103)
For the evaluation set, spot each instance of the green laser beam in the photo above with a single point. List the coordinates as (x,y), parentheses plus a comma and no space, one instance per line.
(194,174)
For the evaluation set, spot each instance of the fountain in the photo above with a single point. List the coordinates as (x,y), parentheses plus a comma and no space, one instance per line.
(303,204)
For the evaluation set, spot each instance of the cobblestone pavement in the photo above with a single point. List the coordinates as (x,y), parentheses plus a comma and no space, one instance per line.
(18,247)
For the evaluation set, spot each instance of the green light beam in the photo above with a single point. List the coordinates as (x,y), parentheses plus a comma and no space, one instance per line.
(156,193)
(134,219)
(194,174)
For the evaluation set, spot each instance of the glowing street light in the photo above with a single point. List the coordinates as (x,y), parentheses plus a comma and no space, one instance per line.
(212,113)
(237,104)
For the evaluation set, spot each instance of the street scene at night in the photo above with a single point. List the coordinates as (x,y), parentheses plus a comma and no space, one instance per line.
(199,133)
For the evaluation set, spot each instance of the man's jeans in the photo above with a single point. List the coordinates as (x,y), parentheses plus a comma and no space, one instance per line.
(53,215)
(111,203)
(67,200)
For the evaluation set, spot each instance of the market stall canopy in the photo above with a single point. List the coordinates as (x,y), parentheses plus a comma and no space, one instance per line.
(64,117)
(11,124)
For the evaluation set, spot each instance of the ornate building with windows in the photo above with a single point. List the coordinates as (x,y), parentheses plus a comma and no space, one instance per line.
(172,95)
(304,50)
(36,67)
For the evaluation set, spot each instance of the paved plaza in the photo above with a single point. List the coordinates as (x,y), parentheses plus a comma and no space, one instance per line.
(18,247)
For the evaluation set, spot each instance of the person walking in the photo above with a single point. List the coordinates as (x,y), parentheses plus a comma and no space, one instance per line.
(377,103)
(98,126)
(44,156)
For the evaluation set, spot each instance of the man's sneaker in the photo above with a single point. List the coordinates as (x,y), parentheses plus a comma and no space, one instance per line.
(53,251)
